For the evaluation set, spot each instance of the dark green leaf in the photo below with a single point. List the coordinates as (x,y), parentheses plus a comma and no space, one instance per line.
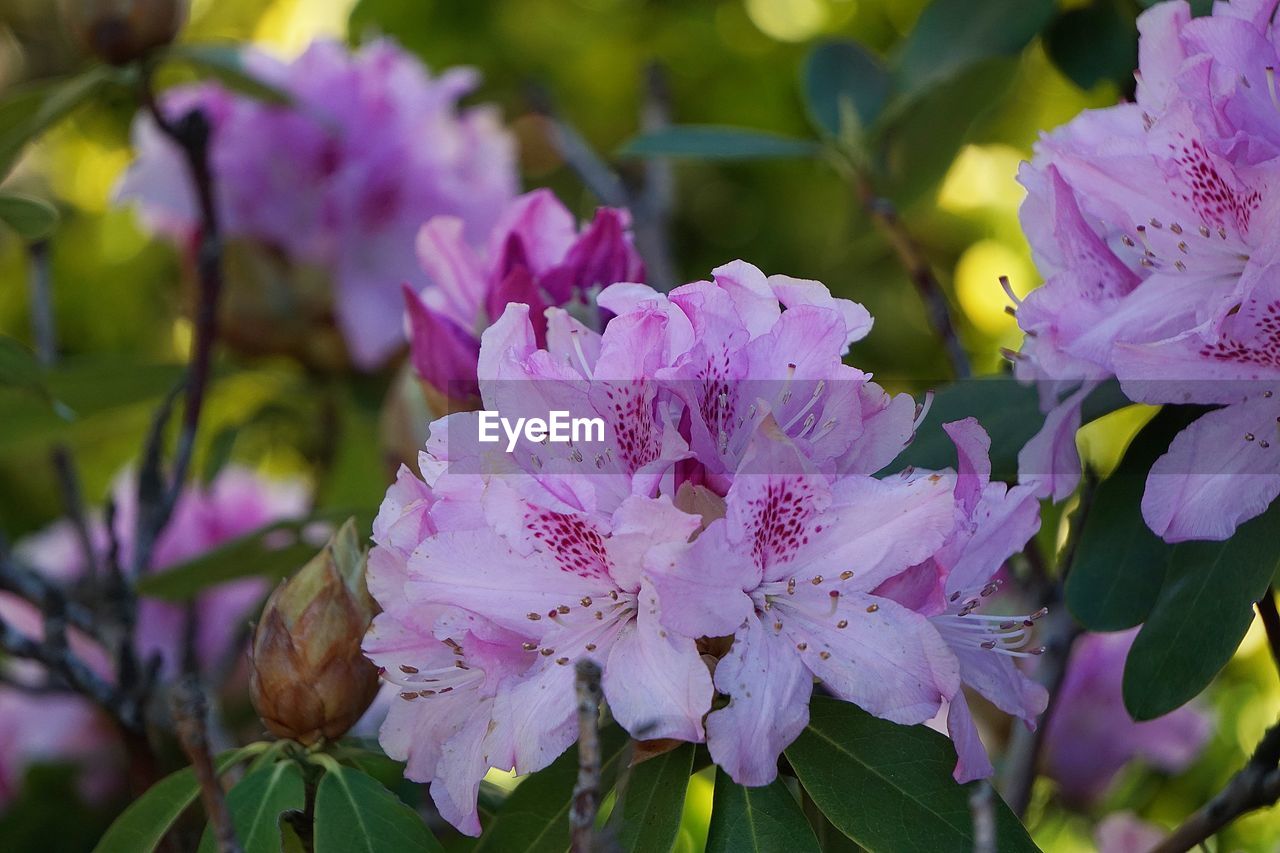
(953,35)
(29,111)
(535,818)
(1201,615)
(81,389)
(256,803)
(19,368)
(757,820)
(889,787)
(704,142)
(144,824)
(225,62)
(651,802)
(32,218)
(355,814)
(273,552)
(840,73)
(1120,564)
(922,136)
(219,453)
(1008,410)
(1093,43)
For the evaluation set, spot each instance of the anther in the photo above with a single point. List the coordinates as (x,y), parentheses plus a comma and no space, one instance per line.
(843,623)
(408,670)
(546,653)
(872,608)
(845,575)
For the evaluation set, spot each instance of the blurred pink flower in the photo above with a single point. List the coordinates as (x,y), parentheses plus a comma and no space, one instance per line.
(1090,736)
(535,255)
(1125,832)
(1151,224)
(66,727)
(369,148)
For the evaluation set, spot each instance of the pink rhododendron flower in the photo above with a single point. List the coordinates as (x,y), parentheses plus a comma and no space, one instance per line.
(535,255)
(236,503)
(724,535)
(1125,832)
(1152,224)
(1090,736)
(951,588)
(369,148)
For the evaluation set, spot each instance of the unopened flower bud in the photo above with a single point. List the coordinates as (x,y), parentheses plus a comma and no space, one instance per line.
(120,31)
(308,678)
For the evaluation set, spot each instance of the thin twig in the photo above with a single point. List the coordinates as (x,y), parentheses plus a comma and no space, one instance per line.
(191,133)
(1270,622)
(33,587)
(578,155)
(64,468)
(586,793)
(1255,786)
(913,261)
(43,329)
(53,654)
(190,712)
(982,808)
(1060,633)
(651,203)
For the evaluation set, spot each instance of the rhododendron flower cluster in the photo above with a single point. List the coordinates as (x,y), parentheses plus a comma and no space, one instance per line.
(723,548)
(341,178)
(535,255)
(1152,223)
(39,728)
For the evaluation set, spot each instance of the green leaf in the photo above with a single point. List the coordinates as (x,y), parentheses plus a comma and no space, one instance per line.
(143,825)
(30,110)
(921,136)
(535,818)
(1201,615)
(256,803)
(81,389)
(889,787)
(705,142)
(356,814)
(1093,43)
(954,35)
(220,447)
(19,368)
(757,820)
(226,63)
(272,551)
(651,801)
(1120,564)
(837,73)
(1008,410)
(32,218)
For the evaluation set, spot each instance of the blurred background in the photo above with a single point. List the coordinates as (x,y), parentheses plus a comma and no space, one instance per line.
(119,298)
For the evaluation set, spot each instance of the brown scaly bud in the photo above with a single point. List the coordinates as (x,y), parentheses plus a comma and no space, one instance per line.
(120,31)
(307,676)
